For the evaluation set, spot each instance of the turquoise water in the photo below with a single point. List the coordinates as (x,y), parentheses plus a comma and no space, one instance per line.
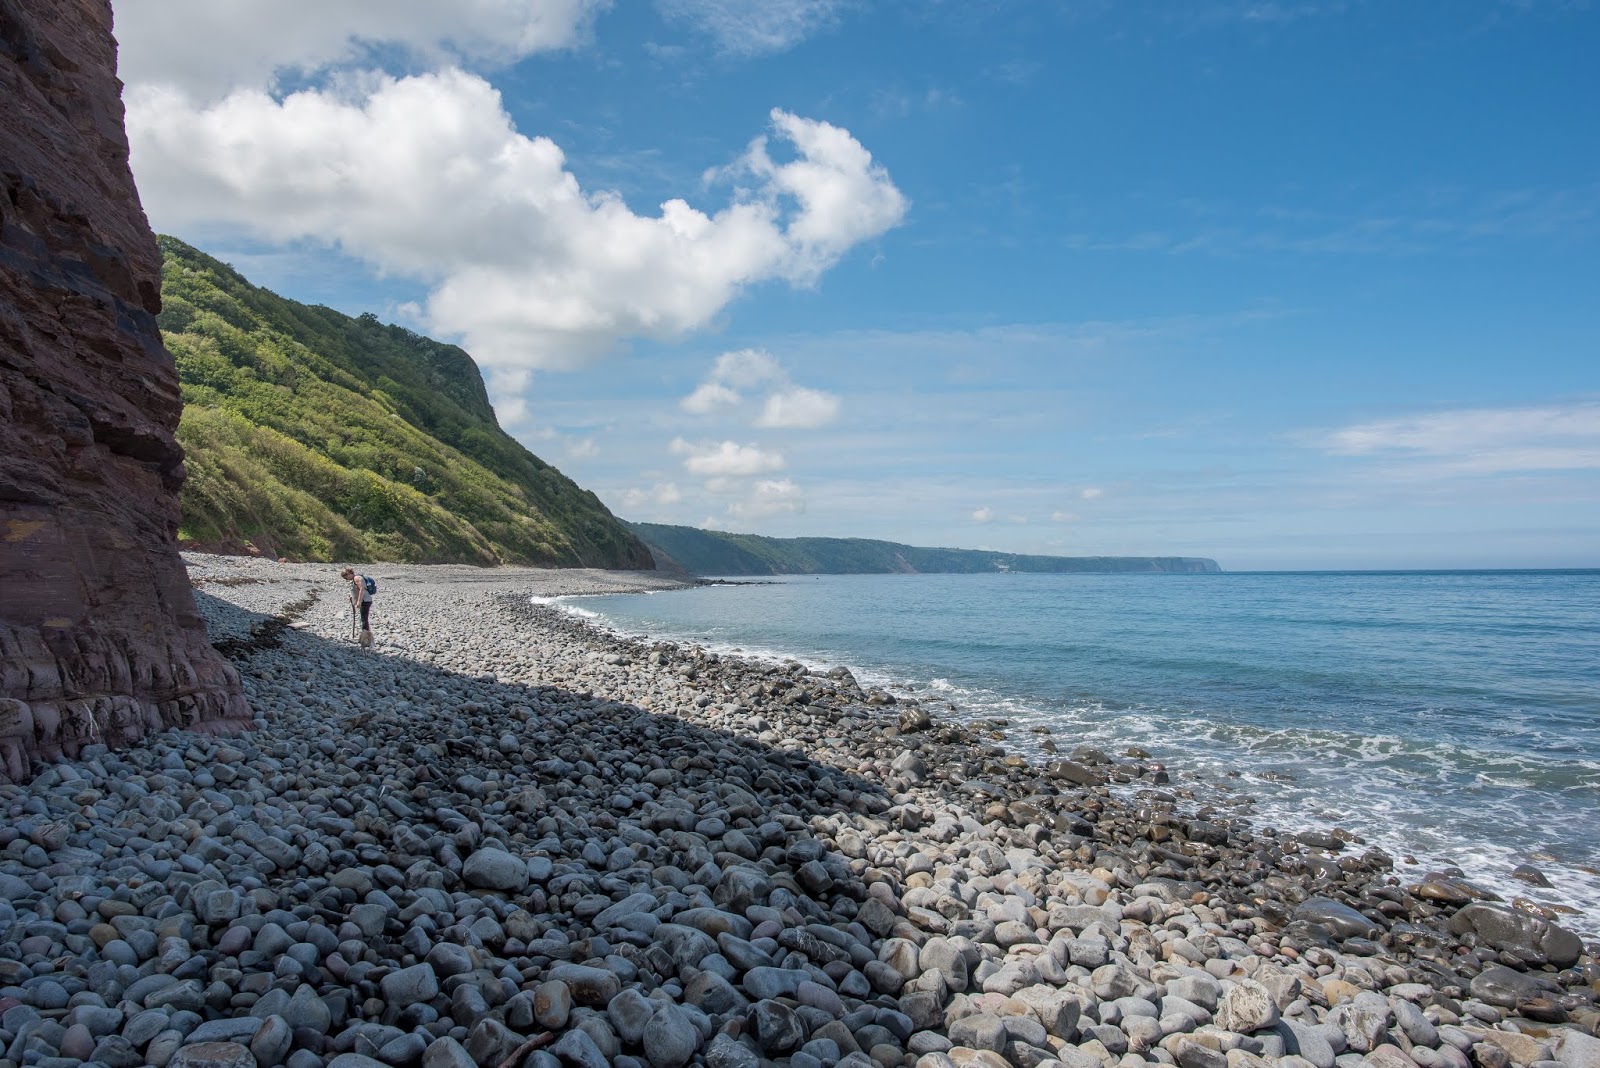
(1450,716)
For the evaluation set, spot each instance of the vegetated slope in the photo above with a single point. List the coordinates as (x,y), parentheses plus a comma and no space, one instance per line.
(715,552)
(316,436)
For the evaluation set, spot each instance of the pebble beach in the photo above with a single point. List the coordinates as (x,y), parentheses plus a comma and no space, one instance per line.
(504,837)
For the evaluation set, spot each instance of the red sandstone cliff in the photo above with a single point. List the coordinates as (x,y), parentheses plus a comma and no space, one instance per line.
(99,636)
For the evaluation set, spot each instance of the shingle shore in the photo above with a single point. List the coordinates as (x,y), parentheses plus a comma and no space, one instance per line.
(505,829)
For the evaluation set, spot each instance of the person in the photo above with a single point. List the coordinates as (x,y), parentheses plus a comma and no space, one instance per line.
(361,591)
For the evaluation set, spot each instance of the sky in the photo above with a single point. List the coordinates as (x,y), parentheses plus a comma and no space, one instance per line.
(1288,283)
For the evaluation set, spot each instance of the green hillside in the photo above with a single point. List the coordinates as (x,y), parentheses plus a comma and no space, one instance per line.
(316,436)
(714,552)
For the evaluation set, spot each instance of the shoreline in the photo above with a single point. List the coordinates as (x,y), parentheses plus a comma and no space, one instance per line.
(504,823)
(1238,791)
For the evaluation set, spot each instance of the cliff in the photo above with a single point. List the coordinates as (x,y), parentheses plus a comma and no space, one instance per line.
(99,636)
(715,552)
(318,436)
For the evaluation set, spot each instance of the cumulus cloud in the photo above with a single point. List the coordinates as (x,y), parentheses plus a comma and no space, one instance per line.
(583,448)
(769,497)
(1482,440)
(208,47)
(746,369)
(982,515)
(787,406)
(661,495)
(842,193)
(708,397)
(1089,493)
(799,408)
(742,28)
(725,459)
(427,176)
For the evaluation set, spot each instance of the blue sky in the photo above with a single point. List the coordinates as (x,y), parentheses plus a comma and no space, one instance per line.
(1291,285)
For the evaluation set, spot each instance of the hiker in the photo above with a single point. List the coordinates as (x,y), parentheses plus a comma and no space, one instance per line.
(362,590)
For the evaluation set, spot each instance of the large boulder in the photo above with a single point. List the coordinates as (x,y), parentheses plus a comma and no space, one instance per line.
(100,639)
(1508,928)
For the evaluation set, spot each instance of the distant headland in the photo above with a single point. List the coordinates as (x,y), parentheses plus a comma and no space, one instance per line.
(716,552)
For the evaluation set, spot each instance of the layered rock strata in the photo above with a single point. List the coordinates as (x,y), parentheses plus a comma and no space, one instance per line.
(99,637)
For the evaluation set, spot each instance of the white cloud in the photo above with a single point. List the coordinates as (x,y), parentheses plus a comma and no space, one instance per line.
(210,47)
(727,459)
(747,368)
(428,177)
(1482,440)
(745,28)
(788,406)
(708,397)
(982,515)
(799,408)
(1089,493)
(842,193)
(661,495)
(1063,517)
(769,497)
(583,448)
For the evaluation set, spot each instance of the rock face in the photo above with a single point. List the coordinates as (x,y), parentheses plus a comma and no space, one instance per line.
(99,636)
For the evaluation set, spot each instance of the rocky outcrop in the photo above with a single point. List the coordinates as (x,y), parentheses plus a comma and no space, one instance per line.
(99,636)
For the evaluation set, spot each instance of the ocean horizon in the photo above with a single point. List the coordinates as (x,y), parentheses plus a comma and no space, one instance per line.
(1450,717)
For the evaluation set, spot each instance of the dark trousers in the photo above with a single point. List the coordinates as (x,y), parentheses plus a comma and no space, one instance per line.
(366,609)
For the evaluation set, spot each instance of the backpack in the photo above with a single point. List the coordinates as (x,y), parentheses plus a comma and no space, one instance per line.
(372,587)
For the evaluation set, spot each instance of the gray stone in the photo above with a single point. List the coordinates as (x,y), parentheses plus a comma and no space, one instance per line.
(1418,1029)
(1308,1042)
(495,869)
(1088,953)
(1507,928)
(213,1055)
(1200,989)
(1025,1029)
(408,986)
(979,1031)
(629,1012)
(726,1051)
(491,1041)
(240,1029)
(1363,1026)
(588,985)
(1499,985)
(447,1053)
(143,1026)
(1387,1056)
(552,1004)
(77,1043)
(1577,1050)
(407,1049)
(762,983)
(631,905)
(272,1041)
(1248,1007)
(776,1027)
(1057,1009)
(306,1009)
(578,1049)
(1191,1054)
(713,994)
(670,1038)
(1340,919)
(449,959)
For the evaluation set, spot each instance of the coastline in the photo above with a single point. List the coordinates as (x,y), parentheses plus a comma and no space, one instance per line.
(1435,804)
(700,857)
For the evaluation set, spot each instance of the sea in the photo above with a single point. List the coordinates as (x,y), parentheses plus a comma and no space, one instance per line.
(1451,718)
